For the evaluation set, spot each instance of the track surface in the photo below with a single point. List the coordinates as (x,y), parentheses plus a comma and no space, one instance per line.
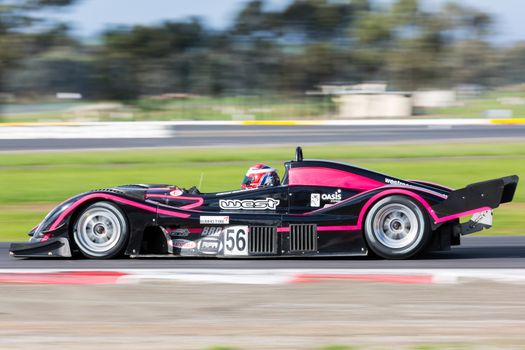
(366,316)
(475,252)
(195,136)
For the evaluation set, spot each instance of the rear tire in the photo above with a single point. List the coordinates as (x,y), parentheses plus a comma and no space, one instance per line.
(101,231)
(396,228)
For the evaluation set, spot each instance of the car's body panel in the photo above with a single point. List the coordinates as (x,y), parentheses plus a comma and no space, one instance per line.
(318,210)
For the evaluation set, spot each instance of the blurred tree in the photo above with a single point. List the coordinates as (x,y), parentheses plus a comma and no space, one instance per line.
(16,20)
(316,19)
(420,41)
(252,19)
(413,48)
(61,69)
(470,57)
(50,59)
(293,43)
(373,34)
(471,62)
(151,60)
(290,50)
(511,65)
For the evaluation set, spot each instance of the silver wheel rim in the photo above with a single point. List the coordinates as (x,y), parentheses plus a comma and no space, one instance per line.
(396,226)
(98,231)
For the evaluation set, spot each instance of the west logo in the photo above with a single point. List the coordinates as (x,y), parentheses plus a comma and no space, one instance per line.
(249,204)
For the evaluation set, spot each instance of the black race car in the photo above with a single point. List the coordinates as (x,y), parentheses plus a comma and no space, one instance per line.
(321,208)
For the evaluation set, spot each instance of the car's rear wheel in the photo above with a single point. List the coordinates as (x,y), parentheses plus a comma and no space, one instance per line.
(396,228)
(101,231)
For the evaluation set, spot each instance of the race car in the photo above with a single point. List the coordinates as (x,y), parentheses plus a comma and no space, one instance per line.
(321,208)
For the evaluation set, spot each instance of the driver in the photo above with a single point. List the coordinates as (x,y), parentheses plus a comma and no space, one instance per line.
(259,176)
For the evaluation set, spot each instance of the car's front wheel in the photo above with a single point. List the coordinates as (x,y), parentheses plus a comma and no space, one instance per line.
(101,231)
(396,228)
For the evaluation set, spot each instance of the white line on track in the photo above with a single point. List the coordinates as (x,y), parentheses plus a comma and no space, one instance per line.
(94,130)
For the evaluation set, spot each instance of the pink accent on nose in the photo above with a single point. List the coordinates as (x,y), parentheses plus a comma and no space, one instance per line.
(118,200)
(318,176)
(198,200)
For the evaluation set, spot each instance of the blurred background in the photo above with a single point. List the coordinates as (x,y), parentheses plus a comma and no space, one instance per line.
(98,93)
(90,60)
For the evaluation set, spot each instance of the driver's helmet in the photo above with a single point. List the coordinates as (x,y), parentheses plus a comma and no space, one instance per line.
(260,175)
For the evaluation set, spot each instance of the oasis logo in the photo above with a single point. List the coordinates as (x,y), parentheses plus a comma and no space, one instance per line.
(332,197)
(249,204)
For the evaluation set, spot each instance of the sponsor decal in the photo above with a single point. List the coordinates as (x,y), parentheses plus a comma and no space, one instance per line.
(184,244)
(211,231)
(249,204)
(396,182)
(180,232)
(214,220)
(315,200)
(332,197)
(210,245)
(400,183)
(176,193)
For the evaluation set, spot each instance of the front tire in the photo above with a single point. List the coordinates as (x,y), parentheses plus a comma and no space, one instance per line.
(101,231)
(396,228)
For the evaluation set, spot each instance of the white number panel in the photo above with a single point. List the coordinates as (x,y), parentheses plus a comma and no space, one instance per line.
(236,240)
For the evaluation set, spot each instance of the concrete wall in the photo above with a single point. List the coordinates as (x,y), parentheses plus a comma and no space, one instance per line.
(434,98)
(376,105)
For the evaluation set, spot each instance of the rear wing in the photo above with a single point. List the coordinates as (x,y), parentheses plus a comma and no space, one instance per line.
(479,195)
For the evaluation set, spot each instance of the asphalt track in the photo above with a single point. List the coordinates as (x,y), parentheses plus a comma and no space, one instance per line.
(214,135)
(475,252)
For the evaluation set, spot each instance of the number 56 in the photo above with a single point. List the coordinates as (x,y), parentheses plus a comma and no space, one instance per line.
(236,241)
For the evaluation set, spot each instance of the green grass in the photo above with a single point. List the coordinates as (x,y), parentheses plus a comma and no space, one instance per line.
(34,182)
(205,108)
(476,108)
(257,107)
(337,347)
(16,222)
